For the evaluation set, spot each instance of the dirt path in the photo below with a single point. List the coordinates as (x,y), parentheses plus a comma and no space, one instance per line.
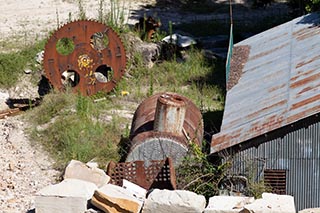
(24,169)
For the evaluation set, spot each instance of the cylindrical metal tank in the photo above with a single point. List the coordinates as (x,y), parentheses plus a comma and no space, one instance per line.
(162,126)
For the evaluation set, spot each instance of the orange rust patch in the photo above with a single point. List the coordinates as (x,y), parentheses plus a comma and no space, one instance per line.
(307,62)
(305,81)
(279,36)
(308,89)
(306,33)
(305,102)
(225,141)
(301,73)
(255,114)
(303,114)
(269,51)
(276,88)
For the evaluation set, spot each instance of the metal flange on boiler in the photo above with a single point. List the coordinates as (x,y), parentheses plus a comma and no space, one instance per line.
(163,126)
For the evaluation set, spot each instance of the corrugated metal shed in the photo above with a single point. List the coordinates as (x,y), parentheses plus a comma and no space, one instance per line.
(279,84)
(298,153)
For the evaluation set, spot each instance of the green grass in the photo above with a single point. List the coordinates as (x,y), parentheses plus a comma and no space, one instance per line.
(195,78)
(12,64)
(71,126)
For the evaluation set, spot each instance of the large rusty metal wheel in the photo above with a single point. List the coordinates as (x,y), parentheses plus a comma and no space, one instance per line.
(87,55)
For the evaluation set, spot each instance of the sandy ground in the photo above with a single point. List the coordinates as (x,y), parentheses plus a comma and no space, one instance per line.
(32,19)
(35,18)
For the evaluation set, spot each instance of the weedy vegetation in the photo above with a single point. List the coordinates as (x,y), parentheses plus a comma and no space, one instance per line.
(70,126)
(13,64)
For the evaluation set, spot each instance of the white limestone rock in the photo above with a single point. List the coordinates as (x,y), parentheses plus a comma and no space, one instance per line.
(311,210)
(135,190)
(271,203)
(167,201)
(113,199)
(81,171)
(227,204)
(69,196)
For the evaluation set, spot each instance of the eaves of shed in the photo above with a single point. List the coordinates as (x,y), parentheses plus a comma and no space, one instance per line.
(278,82)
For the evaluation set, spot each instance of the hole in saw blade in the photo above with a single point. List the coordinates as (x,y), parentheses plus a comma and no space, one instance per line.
(65,46)
(70,78)
(99,41)
(103,73)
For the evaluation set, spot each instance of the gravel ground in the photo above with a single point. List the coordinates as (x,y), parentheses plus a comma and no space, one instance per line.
(24,169)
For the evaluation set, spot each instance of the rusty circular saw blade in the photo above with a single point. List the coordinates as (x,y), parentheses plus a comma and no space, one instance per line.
(97,62)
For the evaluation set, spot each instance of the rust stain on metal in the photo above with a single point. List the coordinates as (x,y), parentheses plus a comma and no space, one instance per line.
(240,55)
(278,36)
(302,114)
(226,137)
(307,89)
(96,63)
(146,111)
(301,73)
(272,89)
(307,62)
(9,112)
(306,33)
(305,81)
(163,126)
(269,51)
(285,87)
(270,122)
(19,105)
(267,108)
(305,102)
(170,114)
(153,174)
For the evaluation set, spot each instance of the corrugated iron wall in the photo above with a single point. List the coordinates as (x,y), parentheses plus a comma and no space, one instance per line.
(297,152)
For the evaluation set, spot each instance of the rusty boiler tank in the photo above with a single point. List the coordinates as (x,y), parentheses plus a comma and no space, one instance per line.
(163,126)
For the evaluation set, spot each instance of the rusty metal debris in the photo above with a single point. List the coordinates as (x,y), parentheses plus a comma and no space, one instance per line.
(17,106)
(152,174)
(87,55)
(147,27)
(163,126)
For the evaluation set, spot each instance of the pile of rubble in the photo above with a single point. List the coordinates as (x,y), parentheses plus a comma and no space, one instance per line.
(86,189)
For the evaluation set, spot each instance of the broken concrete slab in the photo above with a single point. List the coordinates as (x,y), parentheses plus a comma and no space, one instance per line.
(165,201)
(69,196)
(227,204)
(81,171)
(271,203)
(115,199)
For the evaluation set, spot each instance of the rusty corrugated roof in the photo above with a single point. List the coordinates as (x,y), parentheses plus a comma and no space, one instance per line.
(279,84)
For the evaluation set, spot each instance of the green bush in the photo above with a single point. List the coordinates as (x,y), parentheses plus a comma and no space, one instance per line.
(198,174)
